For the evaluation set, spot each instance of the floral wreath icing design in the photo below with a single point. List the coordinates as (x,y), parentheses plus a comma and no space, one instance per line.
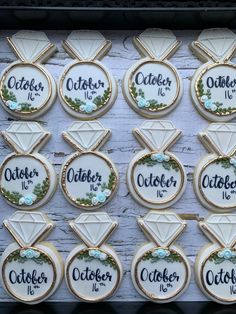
(31,185)
(152,86)
(215,174)
(96,90)
(33,95)
(212,90)
(28,254)
(86,138)
(157,256)
(156,166)
(93,229)
(218,258)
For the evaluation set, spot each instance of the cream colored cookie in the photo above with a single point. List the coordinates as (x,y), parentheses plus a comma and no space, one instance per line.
(155,177)
(215,174)
(213,86)
(31,271)
(215,263)
(152,86)
(27,89)
(93,270)
(27,179)
(88,179)
(160,270)
(86,88)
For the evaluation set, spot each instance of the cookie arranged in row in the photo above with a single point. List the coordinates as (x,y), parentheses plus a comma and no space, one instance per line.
(89,179)
(87,89)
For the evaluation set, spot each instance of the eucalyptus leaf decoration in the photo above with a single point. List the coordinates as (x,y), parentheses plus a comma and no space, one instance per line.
(172,258)
(98,102)
(225,163)
(149,162)
(15,256)
(206,101)
(220,256)
(9,96)
(104,187)
(151,104)
(40,190)
(84,255)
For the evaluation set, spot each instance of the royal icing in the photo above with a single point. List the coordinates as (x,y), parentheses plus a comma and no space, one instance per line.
(160,271)
(86,87)
(30,272)
(88,178)
(27,179)
(27,89)
(215,263)
(156,177)
(152,86)
(93,270)
(213,86)
(215,174)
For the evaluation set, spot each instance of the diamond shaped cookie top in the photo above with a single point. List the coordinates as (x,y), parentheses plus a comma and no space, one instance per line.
(86,44)
(27,227)
(157,134)
(217,41)
(30,44)
(157,41)
(93,228)
(87,135)
(222,227)
(24,136)
(222,137)
(162,228)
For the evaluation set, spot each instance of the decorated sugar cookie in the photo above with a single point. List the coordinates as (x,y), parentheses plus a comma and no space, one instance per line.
(152,86)
(215,175)
(31,270)
(86,87)
(88,178)
(27,179)
(155,177)
(215,263)
(93,270)
(213,86)
(160,270)
(27,89)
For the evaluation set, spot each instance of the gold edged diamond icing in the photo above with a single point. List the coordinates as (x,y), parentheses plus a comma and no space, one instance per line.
(157,41)
(25,135)
(86,135)
(222,227)
(159,134)
(30,44)
(163,228)
(219,41)
(223,137)
(27,228)
(93,228)
(86,44)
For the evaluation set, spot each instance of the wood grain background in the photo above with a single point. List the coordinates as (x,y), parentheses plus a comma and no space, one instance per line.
(121,148)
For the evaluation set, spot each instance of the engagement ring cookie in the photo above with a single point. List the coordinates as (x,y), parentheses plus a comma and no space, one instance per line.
(155,177)
(93,270)
(213,86)
(215,263)
(160,270)
(31,270)
(27,89)
(86,87)
(88,178)
(152,86)
(27,179)
(215,175)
